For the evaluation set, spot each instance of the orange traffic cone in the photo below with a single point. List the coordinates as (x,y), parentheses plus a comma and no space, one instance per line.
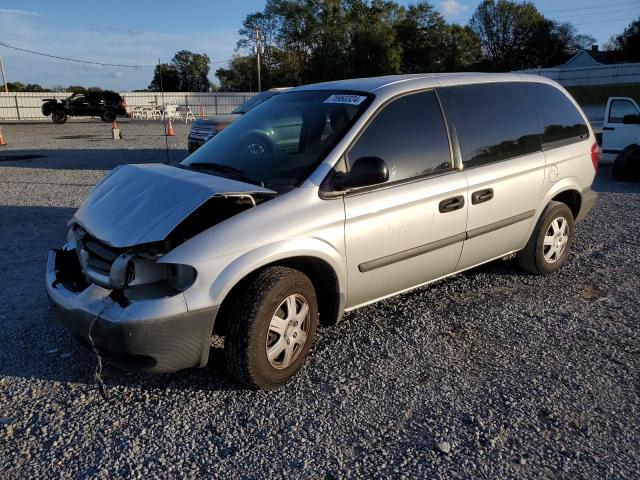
(170,130)
(201,111)
(2,142)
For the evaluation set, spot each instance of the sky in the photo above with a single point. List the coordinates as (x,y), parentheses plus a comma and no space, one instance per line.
(141,32)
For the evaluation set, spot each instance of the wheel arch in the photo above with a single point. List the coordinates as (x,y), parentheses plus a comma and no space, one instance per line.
(322,275)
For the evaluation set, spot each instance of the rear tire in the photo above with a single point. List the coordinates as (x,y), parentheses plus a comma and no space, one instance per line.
(59,116)
(626,168)
(550,241)
(108,116)
(270,327)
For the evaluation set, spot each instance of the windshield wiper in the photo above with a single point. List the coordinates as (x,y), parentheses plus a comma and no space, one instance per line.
(233,172)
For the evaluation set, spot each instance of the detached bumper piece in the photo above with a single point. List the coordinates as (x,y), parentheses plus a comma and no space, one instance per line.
(152,335)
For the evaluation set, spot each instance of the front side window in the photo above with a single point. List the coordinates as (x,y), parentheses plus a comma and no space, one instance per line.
(409,134)
(620,108)
(560,121)
(278,143)
(494,121)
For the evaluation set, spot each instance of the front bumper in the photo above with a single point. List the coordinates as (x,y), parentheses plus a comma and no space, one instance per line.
(157,335)
(588,200)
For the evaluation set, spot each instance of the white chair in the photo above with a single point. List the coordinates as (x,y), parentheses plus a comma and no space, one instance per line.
(171,112)
(189,114)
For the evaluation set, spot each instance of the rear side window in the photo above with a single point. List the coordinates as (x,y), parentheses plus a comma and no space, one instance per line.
(494,121)
(409,134)
(620,108)
(560,121)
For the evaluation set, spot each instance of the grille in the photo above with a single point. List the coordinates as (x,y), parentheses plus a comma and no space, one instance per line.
(96,258)
(200,133)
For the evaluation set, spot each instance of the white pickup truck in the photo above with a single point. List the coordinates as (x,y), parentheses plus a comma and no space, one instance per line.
(621,137)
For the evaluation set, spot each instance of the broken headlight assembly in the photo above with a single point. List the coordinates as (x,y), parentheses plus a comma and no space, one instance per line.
(134,273)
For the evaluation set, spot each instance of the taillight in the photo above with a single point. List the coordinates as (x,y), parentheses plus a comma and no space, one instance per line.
(122,104)
(595,155)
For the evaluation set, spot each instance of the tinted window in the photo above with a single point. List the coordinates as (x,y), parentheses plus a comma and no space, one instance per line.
(409,135)
(620,108)
(494,121)
(559,119)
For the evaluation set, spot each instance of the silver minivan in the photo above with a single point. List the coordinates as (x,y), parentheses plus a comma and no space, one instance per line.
(382,185)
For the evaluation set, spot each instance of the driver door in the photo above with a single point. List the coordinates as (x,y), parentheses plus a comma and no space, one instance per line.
(409,230)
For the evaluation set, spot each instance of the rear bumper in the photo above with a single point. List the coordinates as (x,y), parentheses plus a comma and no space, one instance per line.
(158,335)
(588,200)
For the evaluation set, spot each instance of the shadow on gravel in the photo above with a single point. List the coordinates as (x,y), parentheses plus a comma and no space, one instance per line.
(89,159)
(605,182)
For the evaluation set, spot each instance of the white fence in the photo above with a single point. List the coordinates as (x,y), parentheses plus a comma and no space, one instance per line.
(598,75)
(27,105)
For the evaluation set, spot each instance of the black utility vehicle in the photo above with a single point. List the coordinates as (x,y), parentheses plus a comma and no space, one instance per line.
(106,105)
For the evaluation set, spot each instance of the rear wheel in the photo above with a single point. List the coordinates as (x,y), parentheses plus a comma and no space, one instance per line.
(550,241)
(108,116)
(627,164)
(59,116)
(257,146)
(271,327)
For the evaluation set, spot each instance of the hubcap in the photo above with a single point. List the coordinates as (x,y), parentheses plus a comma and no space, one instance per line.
(555,240)
(288,331)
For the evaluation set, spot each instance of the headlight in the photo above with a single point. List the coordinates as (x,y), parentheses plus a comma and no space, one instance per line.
(140,277)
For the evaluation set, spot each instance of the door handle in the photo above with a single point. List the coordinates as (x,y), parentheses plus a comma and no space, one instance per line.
(608,128)
(451,204)
(482,196)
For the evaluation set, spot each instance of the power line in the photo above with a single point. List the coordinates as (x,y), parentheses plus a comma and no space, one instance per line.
(74,59)
(90,62)
(624,10)
(592,7)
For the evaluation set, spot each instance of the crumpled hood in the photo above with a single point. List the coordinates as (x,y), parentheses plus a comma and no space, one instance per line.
(137,204)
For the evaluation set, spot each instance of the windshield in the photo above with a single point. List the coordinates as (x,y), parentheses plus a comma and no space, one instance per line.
(254,102)
(280,142)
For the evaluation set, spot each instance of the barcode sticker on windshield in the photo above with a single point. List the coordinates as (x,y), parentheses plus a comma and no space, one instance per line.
(345,99)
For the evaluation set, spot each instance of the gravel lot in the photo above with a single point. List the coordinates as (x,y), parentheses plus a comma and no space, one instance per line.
(490,374)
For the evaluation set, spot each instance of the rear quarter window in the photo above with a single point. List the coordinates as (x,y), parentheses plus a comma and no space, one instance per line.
(560,121)
(494,121)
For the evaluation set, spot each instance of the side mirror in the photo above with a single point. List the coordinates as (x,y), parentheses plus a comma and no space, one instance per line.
(364,172)
(631,119)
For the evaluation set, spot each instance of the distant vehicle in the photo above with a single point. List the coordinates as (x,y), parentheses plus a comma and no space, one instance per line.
(204,129)
(106,105)
(391,183)
(621,137)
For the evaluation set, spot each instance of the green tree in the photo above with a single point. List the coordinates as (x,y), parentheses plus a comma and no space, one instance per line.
(627,44)
(187,72)
(170,78)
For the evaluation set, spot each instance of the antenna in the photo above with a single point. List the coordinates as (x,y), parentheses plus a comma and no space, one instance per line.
(164,117)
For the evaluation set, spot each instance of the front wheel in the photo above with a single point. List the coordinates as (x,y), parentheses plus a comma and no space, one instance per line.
(59,116)
(271,327)
(550,242)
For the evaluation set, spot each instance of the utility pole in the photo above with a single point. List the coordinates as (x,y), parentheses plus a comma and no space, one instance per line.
(4,77)
(258,48)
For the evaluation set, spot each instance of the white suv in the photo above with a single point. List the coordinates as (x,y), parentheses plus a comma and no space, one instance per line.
(367,188)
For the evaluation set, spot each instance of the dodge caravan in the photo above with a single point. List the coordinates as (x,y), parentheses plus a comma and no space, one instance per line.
(371,187)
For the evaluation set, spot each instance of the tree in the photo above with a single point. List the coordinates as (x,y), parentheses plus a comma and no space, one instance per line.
(187,72)
(517,36)
(627,44)
(170,78)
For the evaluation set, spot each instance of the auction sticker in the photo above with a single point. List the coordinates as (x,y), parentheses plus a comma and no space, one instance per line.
(345,99)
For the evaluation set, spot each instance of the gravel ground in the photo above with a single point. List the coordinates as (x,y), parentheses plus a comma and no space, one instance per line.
(490,374)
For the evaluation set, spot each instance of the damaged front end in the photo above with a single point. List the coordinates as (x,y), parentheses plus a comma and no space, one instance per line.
(112,291)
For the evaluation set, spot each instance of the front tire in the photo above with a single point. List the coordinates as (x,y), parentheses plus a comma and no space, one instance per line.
(626,168)
(271,327)
(550,242)
(59,117)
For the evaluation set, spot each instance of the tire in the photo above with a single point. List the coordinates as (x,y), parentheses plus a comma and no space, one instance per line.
(538,258)
(252,329)
(626,168)
(59,116)
(108,116)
